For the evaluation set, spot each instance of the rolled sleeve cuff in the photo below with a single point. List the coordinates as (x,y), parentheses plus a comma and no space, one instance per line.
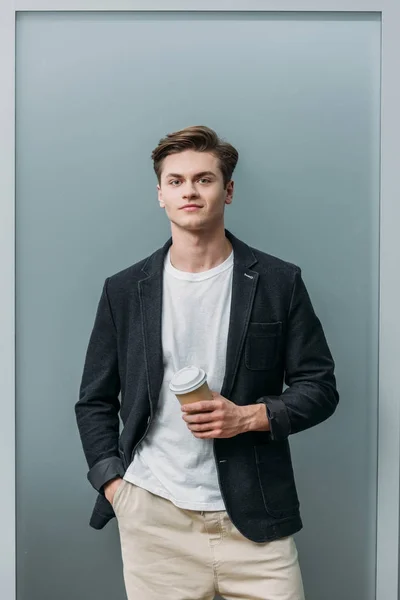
(104,471)
(278,417)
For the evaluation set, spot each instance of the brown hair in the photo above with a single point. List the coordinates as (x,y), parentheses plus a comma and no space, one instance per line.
(201,139)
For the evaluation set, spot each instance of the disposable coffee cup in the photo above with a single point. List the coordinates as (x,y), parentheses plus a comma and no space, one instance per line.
(190,385)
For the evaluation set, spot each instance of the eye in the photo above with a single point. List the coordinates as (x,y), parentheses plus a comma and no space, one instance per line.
(174,181)
(205,179)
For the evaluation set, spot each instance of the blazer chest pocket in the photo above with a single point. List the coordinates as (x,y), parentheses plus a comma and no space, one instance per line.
(262,343)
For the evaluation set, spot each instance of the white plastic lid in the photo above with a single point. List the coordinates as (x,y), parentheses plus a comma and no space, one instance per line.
(187,380)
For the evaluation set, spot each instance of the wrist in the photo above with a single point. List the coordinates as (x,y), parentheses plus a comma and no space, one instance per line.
(256,418)
(109,483)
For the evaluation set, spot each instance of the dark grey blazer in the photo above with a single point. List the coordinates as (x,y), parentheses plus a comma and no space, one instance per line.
(274,336)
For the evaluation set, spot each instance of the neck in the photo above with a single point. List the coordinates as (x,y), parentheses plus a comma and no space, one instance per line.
(197,251)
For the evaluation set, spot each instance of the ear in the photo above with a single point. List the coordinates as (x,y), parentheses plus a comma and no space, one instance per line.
(229,192)
(160,200)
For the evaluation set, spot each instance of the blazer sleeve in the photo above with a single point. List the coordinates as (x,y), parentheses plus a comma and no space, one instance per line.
(97,410)
(311,396)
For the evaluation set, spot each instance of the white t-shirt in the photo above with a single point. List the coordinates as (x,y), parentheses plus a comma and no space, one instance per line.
(171,462)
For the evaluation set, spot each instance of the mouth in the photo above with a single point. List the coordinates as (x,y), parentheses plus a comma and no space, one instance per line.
(190,207)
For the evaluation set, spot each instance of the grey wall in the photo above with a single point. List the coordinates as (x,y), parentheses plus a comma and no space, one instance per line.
(299,96)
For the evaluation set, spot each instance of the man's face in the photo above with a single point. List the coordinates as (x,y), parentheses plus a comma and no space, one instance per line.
(192,190)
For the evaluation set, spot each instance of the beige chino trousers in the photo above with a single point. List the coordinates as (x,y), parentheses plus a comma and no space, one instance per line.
(170,553)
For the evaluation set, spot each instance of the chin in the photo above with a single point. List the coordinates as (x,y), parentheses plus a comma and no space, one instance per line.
(191,224)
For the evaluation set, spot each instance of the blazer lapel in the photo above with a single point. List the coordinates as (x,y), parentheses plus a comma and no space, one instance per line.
(244,284)
(150,295)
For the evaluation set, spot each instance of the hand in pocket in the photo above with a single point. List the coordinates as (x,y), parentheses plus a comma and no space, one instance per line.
(111,488)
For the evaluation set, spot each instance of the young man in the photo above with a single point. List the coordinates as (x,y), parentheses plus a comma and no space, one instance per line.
(204,496)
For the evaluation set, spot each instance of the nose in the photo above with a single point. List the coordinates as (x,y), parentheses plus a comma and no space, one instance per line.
(189,191)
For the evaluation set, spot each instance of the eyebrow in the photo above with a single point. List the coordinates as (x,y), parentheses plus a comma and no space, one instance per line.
(201,174)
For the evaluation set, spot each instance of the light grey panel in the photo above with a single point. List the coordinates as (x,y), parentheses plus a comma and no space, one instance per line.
(299,97)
